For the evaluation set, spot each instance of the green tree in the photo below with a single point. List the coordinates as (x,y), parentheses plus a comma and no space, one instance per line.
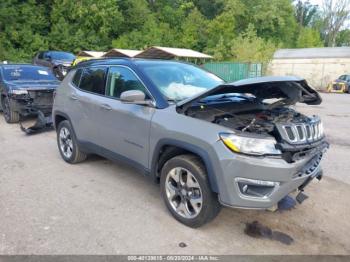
(221,51)
(152,33)
(23,29)
(274,20)
(135,13)
(209,8)
(309,37)
(212,26)
(84,24)
(248,47)
(194,33)
(343,38)
(222,29)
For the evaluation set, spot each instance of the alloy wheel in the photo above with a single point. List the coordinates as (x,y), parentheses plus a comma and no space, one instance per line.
(183,192)
(66,142)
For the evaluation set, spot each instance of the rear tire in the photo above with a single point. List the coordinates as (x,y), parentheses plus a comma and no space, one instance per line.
(186,191)
(9,115)
(67,144)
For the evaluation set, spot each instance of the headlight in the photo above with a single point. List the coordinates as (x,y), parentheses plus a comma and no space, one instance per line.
(19,92)
(250,145)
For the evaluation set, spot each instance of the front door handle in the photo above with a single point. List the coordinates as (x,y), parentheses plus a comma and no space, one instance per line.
(106,107)
(73,97)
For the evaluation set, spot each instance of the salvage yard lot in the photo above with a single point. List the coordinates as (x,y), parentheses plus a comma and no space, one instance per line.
(99,207)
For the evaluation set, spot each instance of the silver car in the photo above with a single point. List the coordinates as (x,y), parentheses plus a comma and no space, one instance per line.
(208,143)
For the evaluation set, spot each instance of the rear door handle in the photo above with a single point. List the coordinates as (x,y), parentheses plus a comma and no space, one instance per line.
(73,97)
(106,107)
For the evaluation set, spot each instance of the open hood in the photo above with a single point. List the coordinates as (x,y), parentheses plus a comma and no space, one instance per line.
(289,89)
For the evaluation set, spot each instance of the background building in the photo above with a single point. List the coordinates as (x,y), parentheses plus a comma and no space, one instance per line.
(319,66)
(119,52)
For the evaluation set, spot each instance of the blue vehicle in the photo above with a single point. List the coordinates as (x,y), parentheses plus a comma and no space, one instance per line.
(58,61)
(26,90)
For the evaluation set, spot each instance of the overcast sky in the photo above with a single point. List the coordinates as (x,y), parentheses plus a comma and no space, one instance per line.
(316,2)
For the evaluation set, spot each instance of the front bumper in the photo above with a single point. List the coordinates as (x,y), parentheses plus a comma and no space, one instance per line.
(32,103)
(261,182)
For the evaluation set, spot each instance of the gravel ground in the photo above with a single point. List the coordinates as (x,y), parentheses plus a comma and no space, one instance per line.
(100,207)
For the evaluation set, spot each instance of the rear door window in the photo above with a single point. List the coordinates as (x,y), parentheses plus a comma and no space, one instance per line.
(94,80)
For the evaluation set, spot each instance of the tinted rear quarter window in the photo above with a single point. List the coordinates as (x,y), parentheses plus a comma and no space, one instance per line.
(76,77)
(93,80)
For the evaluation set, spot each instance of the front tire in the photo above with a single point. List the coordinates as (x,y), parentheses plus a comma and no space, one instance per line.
(67,144)
(9,115)
(186,191)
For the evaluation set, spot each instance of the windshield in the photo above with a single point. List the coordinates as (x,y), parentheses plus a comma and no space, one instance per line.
(27,73)
(178,81)
(61,55)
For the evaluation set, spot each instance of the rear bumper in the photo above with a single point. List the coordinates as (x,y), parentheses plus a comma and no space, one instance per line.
(261,182)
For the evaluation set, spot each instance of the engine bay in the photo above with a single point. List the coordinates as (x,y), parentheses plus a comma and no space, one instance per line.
(259,121)
(247,115)
(264,108)
(293,131)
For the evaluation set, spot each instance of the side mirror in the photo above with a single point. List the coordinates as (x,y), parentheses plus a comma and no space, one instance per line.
(135,97)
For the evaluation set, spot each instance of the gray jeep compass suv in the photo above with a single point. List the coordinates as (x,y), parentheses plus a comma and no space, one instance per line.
(207,143)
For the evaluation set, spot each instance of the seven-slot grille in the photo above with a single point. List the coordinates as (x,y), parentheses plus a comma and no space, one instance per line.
(301,133)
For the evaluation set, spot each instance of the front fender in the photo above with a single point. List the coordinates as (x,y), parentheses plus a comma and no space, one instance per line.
(188,147)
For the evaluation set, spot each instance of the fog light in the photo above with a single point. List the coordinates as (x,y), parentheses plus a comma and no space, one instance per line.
(256,188)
